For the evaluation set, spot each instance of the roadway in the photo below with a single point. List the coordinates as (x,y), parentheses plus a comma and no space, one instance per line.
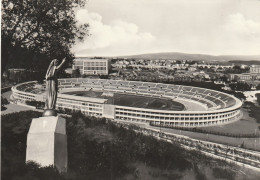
(12,108)
(250,143)
(242,157)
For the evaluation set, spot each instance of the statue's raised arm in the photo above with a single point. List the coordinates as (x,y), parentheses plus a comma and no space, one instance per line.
(61,64)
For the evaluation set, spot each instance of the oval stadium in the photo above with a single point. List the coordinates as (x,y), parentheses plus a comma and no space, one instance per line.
(146,102)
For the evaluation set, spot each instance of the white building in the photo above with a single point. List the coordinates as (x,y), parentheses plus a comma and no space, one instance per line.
(255,69)
(92,66)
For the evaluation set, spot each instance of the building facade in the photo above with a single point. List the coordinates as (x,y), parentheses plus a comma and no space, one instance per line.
(92,66)
(244,77)
(255,69)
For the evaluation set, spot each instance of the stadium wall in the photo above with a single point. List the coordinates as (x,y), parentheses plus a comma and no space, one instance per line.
(218,114)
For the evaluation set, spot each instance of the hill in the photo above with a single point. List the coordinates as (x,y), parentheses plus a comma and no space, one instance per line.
(186,56)
(256,62)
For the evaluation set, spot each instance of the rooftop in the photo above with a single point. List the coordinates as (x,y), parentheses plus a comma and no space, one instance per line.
(90,59)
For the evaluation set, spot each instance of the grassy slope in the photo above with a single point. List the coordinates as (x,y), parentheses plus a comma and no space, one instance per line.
(98,149)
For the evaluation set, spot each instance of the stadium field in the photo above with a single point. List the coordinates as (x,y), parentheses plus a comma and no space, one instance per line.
(133,100)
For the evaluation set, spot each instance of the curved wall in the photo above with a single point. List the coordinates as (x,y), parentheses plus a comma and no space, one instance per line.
(221,108)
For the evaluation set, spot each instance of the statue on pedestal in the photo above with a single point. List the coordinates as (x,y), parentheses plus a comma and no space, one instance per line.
(47,139)
(52,87)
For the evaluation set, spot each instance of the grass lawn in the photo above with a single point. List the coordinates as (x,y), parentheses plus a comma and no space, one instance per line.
(246,125)
(134,100)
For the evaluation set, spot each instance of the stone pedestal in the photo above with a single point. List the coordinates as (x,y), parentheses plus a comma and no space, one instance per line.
(47,142)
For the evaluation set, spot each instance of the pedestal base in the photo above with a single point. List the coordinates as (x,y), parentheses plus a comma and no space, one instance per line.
(47,142)
(49,112)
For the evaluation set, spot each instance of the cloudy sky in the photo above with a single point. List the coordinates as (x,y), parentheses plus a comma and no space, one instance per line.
(125,27)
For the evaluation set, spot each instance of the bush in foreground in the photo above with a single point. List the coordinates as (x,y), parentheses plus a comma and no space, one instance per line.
(99,149)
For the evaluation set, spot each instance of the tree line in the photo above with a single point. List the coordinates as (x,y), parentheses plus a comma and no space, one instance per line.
(35,32)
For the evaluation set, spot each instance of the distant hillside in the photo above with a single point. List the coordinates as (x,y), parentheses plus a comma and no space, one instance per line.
(185,56)
(256,62)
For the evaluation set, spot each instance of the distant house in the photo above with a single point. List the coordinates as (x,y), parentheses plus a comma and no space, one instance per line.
(16,70)
(244,77)
(227,88)
(255,69)
(12,72)
(206,76)
(192,69)
(219,82)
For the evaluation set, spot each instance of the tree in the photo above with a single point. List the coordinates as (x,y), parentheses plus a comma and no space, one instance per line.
(33,28)
(240,86)
(224,78)
(240,95)
(75,73)
(258,98)
(4,102)
(258,87)
(7,75)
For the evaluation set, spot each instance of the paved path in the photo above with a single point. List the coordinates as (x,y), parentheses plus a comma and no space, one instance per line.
(253,143)
(11,108)
(7,95)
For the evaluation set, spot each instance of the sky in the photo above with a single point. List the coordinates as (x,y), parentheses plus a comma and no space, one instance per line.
(128,27)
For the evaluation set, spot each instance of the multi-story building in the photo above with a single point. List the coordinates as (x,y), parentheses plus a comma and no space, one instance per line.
(244,77)
(255,69)
(92,66)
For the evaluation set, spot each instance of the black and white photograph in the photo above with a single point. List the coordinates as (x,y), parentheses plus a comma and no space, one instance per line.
(130,90)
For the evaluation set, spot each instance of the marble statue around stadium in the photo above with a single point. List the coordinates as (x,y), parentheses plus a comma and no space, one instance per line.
(52,87)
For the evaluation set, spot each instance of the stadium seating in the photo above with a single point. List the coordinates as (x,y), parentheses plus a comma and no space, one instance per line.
(205,96)
(215,101)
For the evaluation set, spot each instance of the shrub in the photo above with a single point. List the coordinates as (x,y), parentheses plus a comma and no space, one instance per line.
(37,104)
(4,101)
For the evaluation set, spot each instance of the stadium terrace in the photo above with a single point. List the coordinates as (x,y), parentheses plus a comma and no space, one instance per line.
(160,104)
